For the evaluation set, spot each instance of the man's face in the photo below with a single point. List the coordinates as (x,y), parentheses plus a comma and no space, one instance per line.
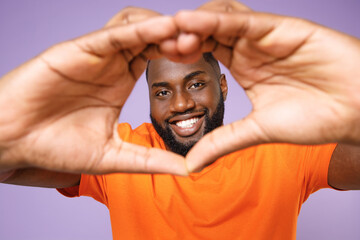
(186,101)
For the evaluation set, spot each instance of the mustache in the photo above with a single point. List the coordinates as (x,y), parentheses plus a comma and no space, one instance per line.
(204,110)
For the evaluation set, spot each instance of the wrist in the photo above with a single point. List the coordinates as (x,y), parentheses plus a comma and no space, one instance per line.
(6,175)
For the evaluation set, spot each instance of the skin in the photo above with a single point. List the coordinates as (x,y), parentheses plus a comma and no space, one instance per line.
(179,92)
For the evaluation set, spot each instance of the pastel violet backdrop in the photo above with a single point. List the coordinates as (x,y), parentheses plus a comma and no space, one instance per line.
(29,27)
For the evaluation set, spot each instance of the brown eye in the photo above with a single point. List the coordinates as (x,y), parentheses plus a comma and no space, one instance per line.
(162,93)
(197,85)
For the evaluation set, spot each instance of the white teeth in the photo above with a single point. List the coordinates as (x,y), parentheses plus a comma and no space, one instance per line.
(187,123)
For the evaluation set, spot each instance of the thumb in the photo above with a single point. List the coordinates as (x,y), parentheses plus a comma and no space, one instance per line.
(132,158)
(223,140)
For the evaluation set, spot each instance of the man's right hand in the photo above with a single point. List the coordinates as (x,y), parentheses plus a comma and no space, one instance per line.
(59,111)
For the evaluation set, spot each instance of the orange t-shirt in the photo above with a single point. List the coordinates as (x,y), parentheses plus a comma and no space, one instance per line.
(255,193)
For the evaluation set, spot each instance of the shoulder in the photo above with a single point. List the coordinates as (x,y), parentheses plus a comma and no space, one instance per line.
(145,134)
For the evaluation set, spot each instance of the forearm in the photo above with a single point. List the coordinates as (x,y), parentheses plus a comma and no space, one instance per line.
(43,178)
(8,165)
(344,168)
(4,175)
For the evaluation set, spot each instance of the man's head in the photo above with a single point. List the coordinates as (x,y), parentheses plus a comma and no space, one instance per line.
(186,100)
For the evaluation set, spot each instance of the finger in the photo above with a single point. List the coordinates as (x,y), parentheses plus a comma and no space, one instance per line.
(140,61)
(224,6)
(223,140)
(206,25)
(247,24)
(190,43)
(137,66)
(223,54)
(120,156)
(169,48)
(132,158)
(220,51)
(151,52)
(275,35)
(113,39)
(131,15)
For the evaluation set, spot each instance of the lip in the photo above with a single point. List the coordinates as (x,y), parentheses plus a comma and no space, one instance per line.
(187,132)
(187,116)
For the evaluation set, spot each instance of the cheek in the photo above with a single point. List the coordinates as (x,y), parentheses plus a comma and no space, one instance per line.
(158,111)
(207,99)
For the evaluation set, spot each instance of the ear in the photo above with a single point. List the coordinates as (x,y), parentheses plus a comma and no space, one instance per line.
(223,86)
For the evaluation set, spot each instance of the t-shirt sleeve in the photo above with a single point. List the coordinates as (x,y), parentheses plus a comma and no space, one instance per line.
(90,185)
(70,191)
(316,167)
(95,185)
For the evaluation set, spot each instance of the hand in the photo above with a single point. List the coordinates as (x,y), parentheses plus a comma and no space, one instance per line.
(303,79)
(59,111)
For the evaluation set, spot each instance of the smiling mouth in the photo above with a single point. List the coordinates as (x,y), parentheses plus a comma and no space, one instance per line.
(187,123)
(187,127)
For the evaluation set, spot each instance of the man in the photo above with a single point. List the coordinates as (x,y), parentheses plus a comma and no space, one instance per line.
(264,62)
(62,93)
(239,196)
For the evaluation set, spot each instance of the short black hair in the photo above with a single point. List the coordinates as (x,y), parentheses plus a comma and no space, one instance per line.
(208,57)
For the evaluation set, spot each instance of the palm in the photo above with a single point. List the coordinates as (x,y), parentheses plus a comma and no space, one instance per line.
(292,86)
(74,93)
(83,102)
(293,73)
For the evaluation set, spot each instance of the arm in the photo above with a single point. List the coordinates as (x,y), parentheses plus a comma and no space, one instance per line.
(344,168)
(43,178)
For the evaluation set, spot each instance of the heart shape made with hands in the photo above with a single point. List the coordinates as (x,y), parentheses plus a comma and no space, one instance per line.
(288,69)
(72,94)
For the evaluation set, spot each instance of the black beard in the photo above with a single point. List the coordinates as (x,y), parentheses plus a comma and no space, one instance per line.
(183,148)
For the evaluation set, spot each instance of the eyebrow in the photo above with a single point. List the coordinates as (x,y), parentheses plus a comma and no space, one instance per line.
(159,84)
(187,77)
(193,74)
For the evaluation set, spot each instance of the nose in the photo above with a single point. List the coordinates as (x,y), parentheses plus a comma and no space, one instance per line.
(182,102)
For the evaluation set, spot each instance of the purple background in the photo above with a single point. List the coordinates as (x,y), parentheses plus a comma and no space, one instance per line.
(29,27)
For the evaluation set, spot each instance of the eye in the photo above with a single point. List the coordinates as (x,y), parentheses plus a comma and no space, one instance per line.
(196,85)
(162,93)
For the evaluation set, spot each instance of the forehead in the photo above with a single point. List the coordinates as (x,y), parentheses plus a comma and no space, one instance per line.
(164,69)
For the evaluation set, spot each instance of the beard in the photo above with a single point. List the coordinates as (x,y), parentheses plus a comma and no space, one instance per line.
(181,148)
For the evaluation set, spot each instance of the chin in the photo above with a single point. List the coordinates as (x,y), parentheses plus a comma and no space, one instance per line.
(190,139)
